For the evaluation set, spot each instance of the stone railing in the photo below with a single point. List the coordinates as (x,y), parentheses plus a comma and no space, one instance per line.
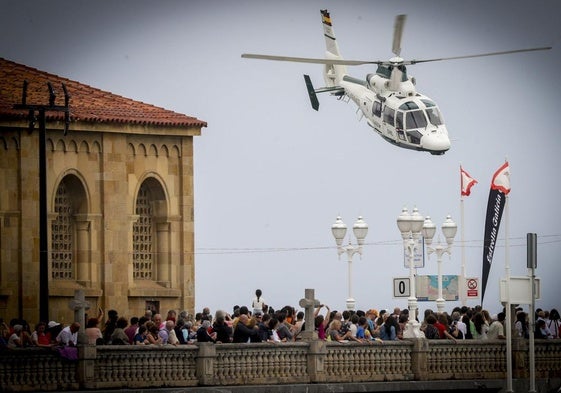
(113,367)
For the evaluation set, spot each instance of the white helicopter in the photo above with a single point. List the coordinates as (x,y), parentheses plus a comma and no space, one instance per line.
(388,98)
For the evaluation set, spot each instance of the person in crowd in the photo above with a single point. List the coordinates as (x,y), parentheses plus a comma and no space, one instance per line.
(69,335)
(284,329)
(157,318)
(460,325)
(179,331)
(153,336)
(321,322)
(119,337)
(273,325)
(205,332)
(363,330)
(481,327)
(431,332)
(496,329)
(40,337)
(131,330)
(443,326)
(110,325)
(54,328)
(221,328)
(388,330)
(521,325)
(172,316)
(258,302)
(541,331)
(140,337)
(170,329)
(335,332)
(93,332)
(17,338)
(554,323)
(298,324)
(242,332)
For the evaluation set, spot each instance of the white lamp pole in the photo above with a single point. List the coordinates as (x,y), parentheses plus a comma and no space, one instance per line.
(410,226)
(449,229)
(339,230)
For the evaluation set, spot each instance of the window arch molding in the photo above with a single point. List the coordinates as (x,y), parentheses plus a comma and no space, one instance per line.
(151,232)
(70,229)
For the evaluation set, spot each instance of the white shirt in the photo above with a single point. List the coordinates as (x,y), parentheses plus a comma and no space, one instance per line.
(66,337)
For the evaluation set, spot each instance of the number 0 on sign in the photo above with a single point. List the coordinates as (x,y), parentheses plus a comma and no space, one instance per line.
(401,287)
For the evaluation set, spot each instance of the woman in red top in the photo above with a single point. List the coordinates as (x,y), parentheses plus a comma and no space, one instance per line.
(40,337)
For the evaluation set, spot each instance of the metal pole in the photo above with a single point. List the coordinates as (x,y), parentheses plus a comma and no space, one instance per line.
(531,246)
(43,227)
(508,312)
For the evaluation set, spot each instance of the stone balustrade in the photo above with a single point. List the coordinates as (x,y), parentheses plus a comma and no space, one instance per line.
(113,367)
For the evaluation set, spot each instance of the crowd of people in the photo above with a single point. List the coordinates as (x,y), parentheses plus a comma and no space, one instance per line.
(261,323)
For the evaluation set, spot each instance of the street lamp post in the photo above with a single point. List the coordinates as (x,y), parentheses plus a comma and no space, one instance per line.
(449,229)
(339,230)
(410,226)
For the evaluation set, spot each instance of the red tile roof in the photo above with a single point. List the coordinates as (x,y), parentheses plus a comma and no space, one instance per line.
(87,103)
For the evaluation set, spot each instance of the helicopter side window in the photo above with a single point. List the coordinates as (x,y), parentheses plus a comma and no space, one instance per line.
(377,109)
(415,119)
(434,116)
(389,114)
(399,120)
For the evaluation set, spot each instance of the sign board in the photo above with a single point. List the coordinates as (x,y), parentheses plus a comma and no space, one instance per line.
(419,258)
(427,287)
(401,287)
(519,290)
(472,287)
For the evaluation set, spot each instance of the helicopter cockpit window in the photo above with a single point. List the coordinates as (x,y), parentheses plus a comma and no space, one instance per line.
(434,116)
(399,120)
(408,105)
(388,115)
(377,109)
(415,119)
(428,103)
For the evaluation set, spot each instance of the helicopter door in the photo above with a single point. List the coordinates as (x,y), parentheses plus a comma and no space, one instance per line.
(388,119)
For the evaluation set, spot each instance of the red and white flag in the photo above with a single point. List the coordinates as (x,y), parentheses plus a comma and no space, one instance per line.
(501,179)
(466,182)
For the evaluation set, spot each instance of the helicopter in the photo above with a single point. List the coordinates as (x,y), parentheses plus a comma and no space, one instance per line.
(387,98)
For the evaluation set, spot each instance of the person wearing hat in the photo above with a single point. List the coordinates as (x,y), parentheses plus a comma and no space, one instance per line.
(16,339)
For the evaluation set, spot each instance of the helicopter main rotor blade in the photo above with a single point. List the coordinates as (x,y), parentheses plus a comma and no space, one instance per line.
(310,60)
(478,55)
(397,33)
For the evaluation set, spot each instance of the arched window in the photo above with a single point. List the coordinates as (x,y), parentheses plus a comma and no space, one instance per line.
(143,237)
(62,243)
(151,248)
(70,232)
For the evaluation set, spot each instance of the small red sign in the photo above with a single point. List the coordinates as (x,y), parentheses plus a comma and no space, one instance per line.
(472,293)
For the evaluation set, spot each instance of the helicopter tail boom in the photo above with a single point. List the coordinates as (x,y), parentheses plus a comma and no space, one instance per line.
(333,73)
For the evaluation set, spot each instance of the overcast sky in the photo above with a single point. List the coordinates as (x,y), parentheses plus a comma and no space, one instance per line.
(271,174)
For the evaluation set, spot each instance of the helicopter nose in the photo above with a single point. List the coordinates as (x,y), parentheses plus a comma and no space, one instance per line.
(436,142)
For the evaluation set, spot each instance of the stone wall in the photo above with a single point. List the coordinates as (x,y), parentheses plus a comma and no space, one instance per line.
(315,362)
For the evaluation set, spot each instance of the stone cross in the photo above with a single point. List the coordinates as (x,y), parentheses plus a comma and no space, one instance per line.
(309,303)
(79,305)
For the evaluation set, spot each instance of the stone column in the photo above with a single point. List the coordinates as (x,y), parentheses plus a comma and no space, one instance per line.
(419,358)
(316,358)
(205,363)
(82,250)
(86,366)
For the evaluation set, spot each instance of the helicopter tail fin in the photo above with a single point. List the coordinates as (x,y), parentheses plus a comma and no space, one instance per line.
(332,73)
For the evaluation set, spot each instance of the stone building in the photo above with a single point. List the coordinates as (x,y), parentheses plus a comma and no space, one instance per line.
(119,200)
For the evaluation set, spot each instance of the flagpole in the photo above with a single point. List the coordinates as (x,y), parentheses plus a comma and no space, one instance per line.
(463,266)
(508,308)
